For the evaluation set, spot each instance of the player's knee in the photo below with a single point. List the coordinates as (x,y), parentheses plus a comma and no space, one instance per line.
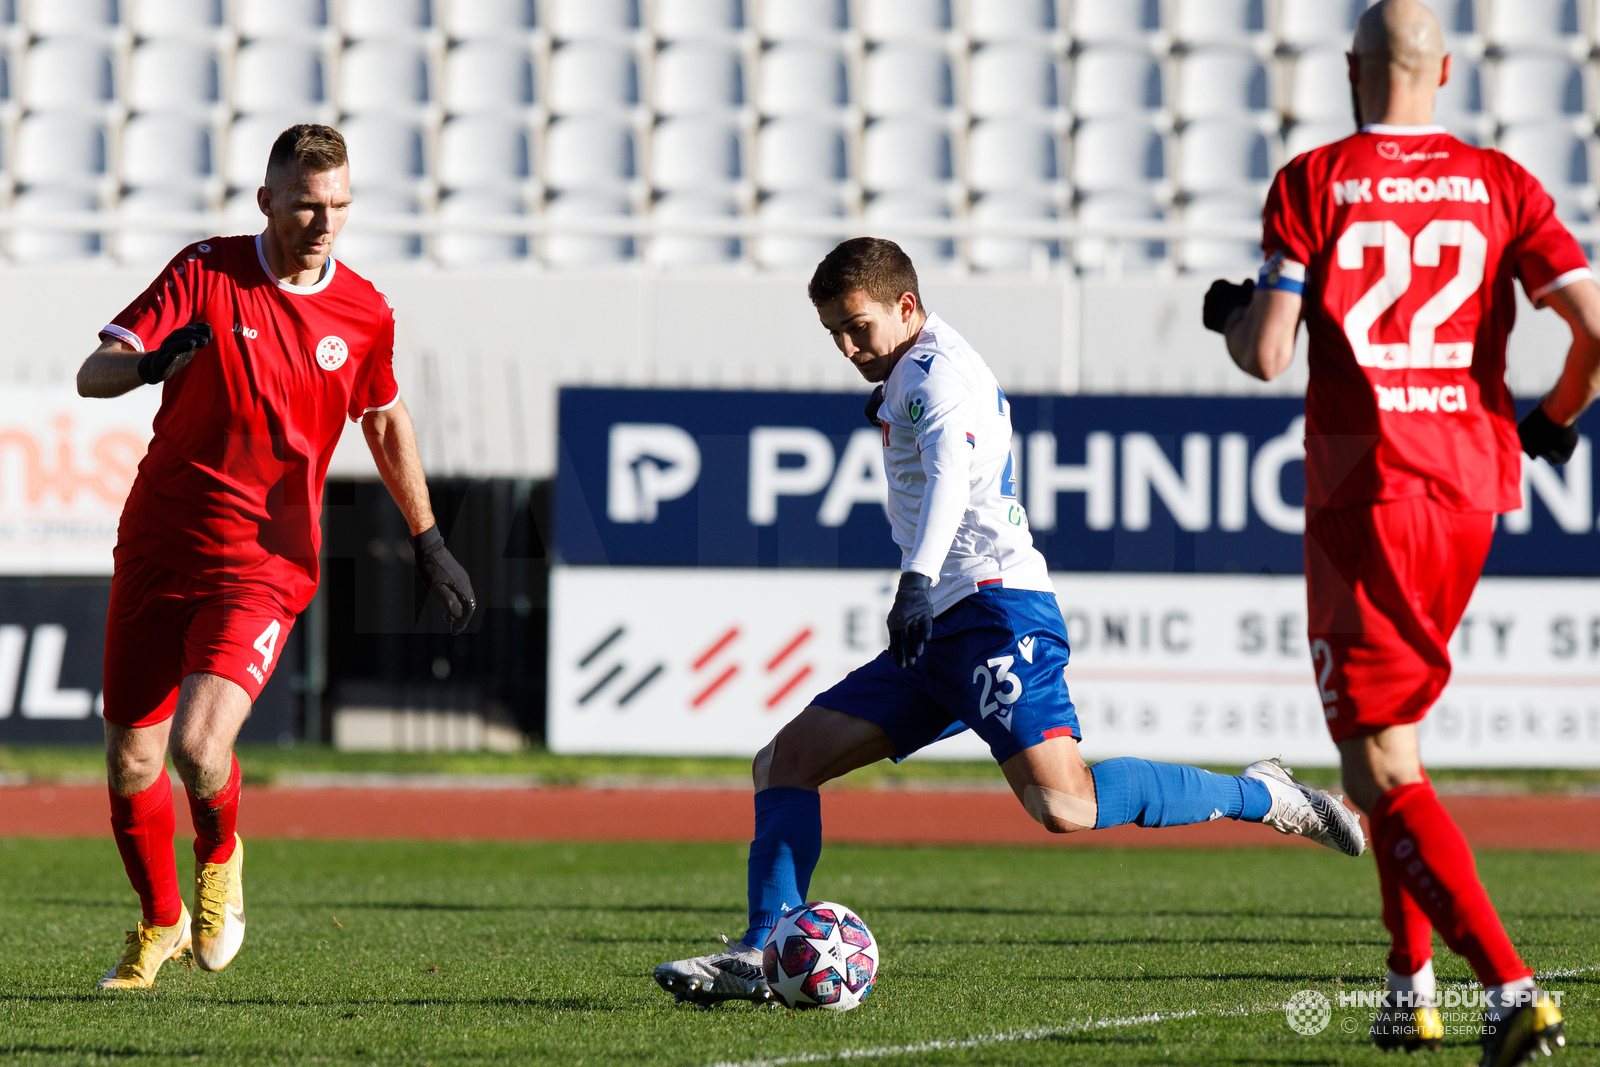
(1058,812)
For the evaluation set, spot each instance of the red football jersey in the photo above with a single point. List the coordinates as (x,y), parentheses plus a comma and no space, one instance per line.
(1407,240)
(231,487)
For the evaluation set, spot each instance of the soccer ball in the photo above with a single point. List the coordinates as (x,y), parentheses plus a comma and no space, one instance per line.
(820,955)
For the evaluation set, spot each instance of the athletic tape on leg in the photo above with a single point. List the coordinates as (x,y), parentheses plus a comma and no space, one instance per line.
(1064,808)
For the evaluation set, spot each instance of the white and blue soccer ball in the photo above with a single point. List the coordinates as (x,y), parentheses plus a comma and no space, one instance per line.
(820,955)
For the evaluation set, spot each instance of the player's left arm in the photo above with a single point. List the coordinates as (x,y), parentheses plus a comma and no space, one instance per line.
(1547,431)
(392,439)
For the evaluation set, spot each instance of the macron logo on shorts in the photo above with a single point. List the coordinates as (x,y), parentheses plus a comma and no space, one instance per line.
(332,352)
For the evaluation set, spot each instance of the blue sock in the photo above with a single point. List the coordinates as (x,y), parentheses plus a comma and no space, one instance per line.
(1172,794)
(783,854)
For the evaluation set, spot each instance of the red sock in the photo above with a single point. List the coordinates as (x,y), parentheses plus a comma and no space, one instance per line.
(143,825)
(1422,849)
(215,819)
(1410,932)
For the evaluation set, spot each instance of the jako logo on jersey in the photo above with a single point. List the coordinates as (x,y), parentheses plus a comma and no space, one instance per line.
(1391,150)
(240,328)
(332,352)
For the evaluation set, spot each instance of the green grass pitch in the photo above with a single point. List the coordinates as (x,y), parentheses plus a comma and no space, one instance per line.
(445,954)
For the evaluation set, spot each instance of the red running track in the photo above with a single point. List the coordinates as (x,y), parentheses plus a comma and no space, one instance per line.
(885,817)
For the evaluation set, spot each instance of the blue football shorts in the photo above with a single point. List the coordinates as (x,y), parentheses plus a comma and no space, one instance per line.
(995,665)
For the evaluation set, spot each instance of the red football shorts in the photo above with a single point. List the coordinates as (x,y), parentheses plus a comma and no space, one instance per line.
(1386,584)
(163,626)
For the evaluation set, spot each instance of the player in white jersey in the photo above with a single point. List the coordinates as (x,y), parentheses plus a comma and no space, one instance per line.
(976,638)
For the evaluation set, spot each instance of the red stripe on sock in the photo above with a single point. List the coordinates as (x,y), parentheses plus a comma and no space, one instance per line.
(215,819)
(1420,849)
(143,825)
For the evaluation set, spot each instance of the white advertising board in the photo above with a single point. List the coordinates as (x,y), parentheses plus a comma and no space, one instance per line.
(66,465)
(1191,668)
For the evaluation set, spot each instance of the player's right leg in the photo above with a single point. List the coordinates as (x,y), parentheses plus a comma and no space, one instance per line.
(816,746)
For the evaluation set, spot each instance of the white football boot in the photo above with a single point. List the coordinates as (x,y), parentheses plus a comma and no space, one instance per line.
(1311,813)
(709,980)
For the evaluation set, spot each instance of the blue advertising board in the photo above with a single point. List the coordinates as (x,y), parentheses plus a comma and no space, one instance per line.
(1152,484)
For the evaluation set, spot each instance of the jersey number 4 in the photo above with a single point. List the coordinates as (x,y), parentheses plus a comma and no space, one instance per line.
(1399,253)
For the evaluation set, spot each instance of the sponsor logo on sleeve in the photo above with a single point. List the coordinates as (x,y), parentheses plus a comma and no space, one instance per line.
(916,410)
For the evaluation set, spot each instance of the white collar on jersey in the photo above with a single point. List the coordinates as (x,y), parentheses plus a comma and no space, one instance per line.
(300,290)
(1401,131)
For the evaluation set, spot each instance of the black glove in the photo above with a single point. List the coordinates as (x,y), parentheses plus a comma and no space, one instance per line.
(911,619)
(1222,299)
(175,353)
(874,402)
(1545,439)
(446,578)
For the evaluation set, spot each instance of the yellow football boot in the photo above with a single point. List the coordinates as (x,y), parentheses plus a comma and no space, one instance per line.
(1524,1034)
(148,948)
(219,910)
(1408,1028)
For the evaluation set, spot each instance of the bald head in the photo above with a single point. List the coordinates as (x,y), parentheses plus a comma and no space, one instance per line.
(1403,34)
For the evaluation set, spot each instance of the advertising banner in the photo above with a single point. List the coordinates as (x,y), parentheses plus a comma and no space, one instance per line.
(1143,484)
(66,465)
(1188,668)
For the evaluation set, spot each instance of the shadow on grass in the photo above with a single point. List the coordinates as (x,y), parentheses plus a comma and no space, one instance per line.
(108,1053)
(1123,941)
(290,1001)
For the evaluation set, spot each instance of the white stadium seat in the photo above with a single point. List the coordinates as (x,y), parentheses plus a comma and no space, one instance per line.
(1459,101)
(800,154)
(1221,82)
(177,18)
(1114,254)
(1304,136)
(799,251)
(1115,81)
(64,73)
(364,248)
(904,79)
(801,78)
(169,150)
(483,151)
(276,18)
(1012,253)
(486,76)
(580,250)
(676,19)
(1320,89)
(1012,79)
(1219,254)
(684,250)
(385,18)
(1110,154)
(1221,156)
(884,211)
(901,154)
(241,213)
(36,245)
(490,19)
(153,246)
(383,76)
(697,77)
(66,150)
(1532,88)
(1554,154)
(65,17)
(384,151)
(1008,20)
(1303,23)
(269,75)
(1011,154)
(590,18)
(172,75)
(589,153)
(1115,20)
(250,140)
(589,76)
(891,19)
(1533,23)
(689,154)
(1219,21)
(458,247)
(803,18)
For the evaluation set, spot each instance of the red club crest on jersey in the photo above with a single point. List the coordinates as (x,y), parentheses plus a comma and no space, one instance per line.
(332,352)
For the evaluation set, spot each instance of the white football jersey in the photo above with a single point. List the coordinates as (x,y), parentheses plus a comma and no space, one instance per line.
(953,502)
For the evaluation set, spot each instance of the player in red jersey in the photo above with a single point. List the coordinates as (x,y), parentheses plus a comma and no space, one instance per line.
(265,344)
(1398,246)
